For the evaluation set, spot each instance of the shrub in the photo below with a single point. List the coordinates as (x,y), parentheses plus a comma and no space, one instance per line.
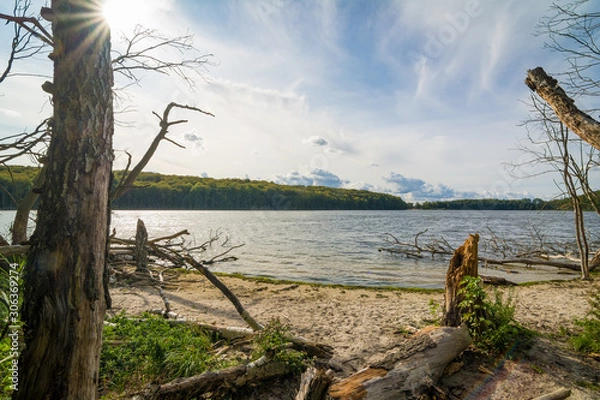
(491,323)
(588,340)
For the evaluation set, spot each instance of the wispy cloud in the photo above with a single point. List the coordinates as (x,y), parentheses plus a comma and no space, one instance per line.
(339,91)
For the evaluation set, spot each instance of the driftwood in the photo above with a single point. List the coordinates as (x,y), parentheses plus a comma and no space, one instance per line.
(559,394)
(314,384)
(413,370)
(501,251)
(463,263)
(186,388)
(496,281)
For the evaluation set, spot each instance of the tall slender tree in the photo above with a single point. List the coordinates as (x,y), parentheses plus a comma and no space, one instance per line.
(65,295)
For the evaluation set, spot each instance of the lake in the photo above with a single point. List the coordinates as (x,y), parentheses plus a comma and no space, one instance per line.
(341,247)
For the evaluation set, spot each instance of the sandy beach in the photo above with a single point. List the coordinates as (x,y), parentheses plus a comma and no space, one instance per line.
(361,324)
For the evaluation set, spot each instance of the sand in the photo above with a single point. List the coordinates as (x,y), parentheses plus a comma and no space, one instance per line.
(361,324)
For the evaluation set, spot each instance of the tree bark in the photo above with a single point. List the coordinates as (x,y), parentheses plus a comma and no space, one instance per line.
(65,278)
(187,388)
(410,372)
(21,221)
(141,251)
(463,263)
(579,122)
(314,384)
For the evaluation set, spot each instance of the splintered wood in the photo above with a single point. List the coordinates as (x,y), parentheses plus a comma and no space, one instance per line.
(463,263)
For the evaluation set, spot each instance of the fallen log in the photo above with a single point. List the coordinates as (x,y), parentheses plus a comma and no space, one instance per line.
(311,349)
(412,370)
(496,281)
(532,261)
(559,394)
(187,388)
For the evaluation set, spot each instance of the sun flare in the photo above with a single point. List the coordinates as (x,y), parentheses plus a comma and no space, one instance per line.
(124,15)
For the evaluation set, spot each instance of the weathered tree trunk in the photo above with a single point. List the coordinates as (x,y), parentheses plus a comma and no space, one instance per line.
(463,263)
(410,372)
(64,282)
(141,251)
(21,221)
(579,122)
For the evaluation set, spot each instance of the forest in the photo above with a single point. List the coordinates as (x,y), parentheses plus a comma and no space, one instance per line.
(177,192)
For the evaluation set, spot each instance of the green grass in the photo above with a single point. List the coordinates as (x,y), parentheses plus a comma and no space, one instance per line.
(141,350)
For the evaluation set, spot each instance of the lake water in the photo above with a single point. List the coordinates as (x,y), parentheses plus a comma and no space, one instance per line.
(341,247)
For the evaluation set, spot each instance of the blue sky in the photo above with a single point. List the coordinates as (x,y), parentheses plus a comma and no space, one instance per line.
(420,98)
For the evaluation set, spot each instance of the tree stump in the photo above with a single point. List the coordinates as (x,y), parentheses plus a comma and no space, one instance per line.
(463,263)
(141,251)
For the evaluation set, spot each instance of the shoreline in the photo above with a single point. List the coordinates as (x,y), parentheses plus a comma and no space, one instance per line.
(361,324)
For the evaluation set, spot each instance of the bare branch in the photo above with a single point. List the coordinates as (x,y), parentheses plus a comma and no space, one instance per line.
(147,50)
(21,45)
(127,180)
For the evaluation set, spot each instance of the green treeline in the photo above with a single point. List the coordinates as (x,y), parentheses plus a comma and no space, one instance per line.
(176,192)
(498,204)
(157,191)
(486,204)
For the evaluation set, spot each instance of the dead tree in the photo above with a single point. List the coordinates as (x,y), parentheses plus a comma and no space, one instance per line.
(463,263)
(128,178)
(578,121)
(65,295)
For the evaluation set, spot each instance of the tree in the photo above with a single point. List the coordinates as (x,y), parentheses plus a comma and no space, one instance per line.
(65,295)
(551,145)
(145,51)
(570,31)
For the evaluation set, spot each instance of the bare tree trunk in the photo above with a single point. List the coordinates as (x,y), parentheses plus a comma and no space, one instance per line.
(141,251)
(21,221)
(65,294)
(463,263)
(579,122)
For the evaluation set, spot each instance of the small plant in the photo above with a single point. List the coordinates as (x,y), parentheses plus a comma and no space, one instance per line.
(275,341)
(491,323)
(435,310)
(588,340)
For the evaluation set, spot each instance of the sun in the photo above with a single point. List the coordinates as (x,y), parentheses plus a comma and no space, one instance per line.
(124,15)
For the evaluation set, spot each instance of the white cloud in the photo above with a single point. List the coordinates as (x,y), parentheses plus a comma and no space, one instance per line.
(316,141)
(316,177)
